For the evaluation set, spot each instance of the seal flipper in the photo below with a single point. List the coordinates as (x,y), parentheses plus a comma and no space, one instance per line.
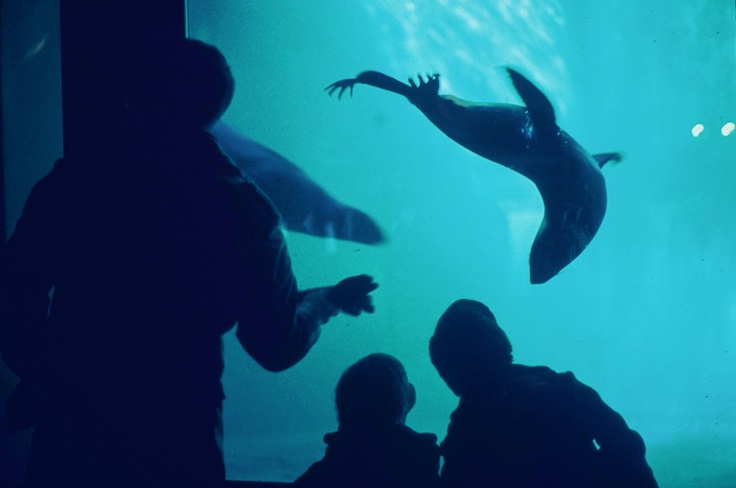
(372,78)
(540,108)
(385,82)
(603,158)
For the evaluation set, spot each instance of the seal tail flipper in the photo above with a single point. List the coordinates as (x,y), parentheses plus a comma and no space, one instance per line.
(372,78)
(603,158)
(540,108)
(304,205)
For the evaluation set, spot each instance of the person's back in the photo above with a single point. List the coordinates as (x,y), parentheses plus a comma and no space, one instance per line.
(144,269)
(140,246)
(395,457)
(525,431)
(525,427)
(154,244)
(373,448)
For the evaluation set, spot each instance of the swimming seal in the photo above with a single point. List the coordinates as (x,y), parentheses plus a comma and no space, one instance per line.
(304,205)
(527,140)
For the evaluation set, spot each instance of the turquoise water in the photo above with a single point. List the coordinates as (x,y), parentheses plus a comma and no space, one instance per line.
(646,315)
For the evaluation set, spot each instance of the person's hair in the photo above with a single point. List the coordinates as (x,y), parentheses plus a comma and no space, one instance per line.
(374,392)
(468,343)
(186,80)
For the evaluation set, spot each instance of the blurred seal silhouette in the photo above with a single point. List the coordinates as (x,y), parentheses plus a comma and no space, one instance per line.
(304,205)
(527,140)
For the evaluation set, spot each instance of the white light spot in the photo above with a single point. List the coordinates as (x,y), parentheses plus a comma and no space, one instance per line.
(697,129)
(727,129)
(37,48)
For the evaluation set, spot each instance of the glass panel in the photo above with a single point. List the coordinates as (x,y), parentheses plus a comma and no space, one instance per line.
(646,314)
(31,141)
(31,98)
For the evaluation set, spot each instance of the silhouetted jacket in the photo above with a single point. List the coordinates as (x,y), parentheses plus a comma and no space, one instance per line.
(534,428)
(396,457)
(153,244)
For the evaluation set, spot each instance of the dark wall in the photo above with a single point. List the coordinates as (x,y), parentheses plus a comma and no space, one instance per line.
(95,40)
(98,39)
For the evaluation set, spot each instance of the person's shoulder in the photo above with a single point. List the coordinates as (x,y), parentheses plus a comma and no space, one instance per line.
(64,171)
(410,436)
(538,380)
(421,456)
(244,193)
(535,374)
(256,202)
(520,369)
(315,476)
(558,387)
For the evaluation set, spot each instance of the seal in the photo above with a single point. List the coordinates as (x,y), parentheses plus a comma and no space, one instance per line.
(304,205)
(527,140)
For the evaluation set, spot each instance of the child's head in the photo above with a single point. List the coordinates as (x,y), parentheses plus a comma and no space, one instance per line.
(374,392)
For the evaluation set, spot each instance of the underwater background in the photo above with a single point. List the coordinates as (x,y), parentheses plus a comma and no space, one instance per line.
(646,315)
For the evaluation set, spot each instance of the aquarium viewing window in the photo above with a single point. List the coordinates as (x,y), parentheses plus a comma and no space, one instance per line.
(646,314)
(644,311)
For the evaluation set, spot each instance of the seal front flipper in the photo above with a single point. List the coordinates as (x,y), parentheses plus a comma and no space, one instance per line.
(372,78)
(603,158)
(540,108)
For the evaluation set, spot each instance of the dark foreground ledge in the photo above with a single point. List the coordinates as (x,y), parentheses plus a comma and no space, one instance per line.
(228,484)
(255,484)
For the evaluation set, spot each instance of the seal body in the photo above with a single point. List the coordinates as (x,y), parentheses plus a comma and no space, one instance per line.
(568,178)
(304,205)
(527,140)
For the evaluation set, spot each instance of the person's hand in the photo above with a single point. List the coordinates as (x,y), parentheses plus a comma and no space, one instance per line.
(351,295)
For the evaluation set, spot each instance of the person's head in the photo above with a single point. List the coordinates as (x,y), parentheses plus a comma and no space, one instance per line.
(374,392)
(468,345)
(184,80)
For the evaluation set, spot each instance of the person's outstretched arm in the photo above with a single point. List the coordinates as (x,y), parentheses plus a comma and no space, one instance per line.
(278,324)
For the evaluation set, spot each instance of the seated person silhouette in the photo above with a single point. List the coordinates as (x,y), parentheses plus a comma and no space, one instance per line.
(154,245)
(373,448)
(525,427)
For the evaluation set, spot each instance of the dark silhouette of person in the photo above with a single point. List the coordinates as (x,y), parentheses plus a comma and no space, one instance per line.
(131,259)
(373,447)
(521,426)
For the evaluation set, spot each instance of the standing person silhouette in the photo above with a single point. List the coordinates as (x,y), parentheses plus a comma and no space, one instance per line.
(132,258)
(518,426)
